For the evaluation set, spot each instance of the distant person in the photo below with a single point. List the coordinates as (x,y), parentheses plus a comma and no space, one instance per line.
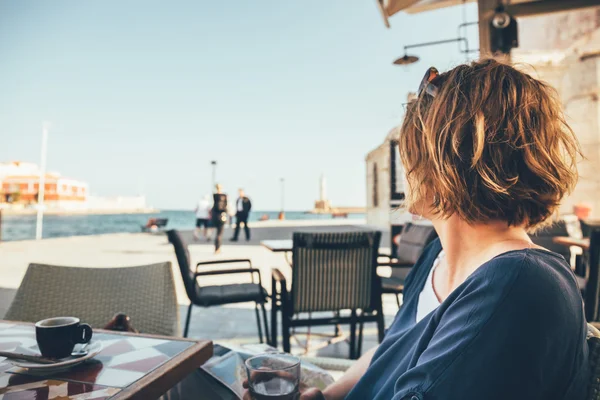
(243,206)
(203,218)
(219,216)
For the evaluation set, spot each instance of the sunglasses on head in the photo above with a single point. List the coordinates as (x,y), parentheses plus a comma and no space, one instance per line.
(426,85)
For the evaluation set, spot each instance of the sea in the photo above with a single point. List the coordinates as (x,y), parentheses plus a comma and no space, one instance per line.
(22,227)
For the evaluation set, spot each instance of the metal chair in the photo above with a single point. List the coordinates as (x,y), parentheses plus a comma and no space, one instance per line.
(545,236)
(591,294)
(413,240)
(145,293)
(207,296)
(331,272)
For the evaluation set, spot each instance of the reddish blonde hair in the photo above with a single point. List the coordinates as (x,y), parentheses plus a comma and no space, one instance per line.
(493,144)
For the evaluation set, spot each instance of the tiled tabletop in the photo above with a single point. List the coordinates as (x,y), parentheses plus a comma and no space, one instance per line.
(115,373)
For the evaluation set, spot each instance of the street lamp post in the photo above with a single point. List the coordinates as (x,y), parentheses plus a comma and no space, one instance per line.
(41,184)
(281,213)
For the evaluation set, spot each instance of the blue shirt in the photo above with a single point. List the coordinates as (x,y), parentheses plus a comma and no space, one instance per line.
(515,329)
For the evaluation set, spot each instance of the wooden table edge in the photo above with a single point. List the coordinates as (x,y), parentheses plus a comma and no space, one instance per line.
(179,367)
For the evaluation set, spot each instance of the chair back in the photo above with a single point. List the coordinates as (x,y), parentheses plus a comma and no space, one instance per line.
(592,288)
(183,259)
(161,222)
(335,271)
(413,240)
(545,238)
(586,228)
(146,294)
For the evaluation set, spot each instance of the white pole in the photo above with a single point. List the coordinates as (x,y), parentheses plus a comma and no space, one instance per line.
(282,195)
(42,184)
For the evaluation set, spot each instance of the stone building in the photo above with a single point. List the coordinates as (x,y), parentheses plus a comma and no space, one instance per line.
(563,49)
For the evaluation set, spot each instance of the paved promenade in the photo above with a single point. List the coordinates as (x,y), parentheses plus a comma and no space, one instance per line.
(234,323)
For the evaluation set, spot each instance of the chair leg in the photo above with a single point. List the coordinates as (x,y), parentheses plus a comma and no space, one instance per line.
(353,335)
(361,326)
(398,299)
(274,308)
(285,332)
(380,322)
(187,321)
(260,335)
(264,312)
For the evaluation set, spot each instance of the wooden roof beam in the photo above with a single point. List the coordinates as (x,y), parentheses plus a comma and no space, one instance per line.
(548,6)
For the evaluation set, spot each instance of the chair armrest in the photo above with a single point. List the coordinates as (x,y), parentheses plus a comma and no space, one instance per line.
(277,275)
(229,271)
(395,265)
(230,261)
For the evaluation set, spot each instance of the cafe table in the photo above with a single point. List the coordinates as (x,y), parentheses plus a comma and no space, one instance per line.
(130,366)
(279,246)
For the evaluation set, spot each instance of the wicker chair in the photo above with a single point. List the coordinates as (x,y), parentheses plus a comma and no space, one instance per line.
(145,293)
(331,272)
(413,240)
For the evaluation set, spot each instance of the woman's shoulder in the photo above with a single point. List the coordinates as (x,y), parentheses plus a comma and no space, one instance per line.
(548,270)
(535,280)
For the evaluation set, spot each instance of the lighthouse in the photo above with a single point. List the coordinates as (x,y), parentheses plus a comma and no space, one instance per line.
(322,205)
(323,196)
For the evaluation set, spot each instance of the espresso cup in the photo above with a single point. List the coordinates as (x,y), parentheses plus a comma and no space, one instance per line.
(56,337)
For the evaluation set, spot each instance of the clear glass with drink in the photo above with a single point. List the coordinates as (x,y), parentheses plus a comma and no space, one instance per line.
(273,376)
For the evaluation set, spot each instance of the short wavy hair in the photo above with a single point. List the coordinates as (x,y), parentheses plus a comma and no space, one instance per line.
(493,144)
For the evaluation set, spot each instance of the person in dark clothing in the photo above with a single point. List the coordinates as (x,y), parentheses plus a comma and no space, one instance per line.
(243,206)
(487,314)
(219,216)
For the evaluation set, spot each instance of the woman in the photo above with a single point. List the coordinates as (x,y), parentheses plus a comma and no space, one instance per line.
(487,314)
(219,215)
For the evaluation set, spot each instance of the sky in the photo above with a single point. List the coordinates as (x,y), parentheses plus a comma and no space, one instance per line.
(142,95)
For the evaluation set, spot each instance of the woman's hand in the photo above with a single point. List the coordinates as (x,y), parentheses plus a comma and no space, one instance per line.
(305,393)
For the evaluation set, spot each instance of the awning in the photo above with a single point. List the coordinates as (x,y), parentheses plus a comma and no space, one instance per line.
(517,8)
(391,7)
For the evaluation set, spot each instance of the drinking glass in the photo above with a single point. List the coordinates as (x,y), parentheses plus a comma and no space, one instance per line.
(273,376)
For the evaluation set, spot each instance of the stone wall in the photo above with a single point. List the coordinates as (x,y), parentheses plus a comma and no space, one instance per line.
(564,50)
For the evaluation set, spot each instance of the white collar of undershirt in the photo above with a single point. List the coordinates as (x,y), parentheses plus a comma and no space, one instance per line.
(428,300)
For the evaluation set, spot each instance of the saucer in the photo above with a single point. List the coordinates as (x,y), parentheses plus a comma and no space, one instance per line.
(93,349)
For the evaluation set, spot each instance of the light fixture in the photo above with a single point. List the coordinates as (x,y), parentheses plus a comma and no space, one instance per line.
(406,59)
(504,32)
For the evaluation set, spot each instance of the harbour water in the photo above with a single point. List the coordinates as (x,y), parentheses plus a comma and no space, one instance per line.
(22,227)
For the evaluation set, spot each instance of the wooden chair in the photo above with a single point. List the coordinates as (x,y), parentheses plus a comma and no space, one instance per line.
(331,272)
(207,296)
(146,294)
(413,240)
